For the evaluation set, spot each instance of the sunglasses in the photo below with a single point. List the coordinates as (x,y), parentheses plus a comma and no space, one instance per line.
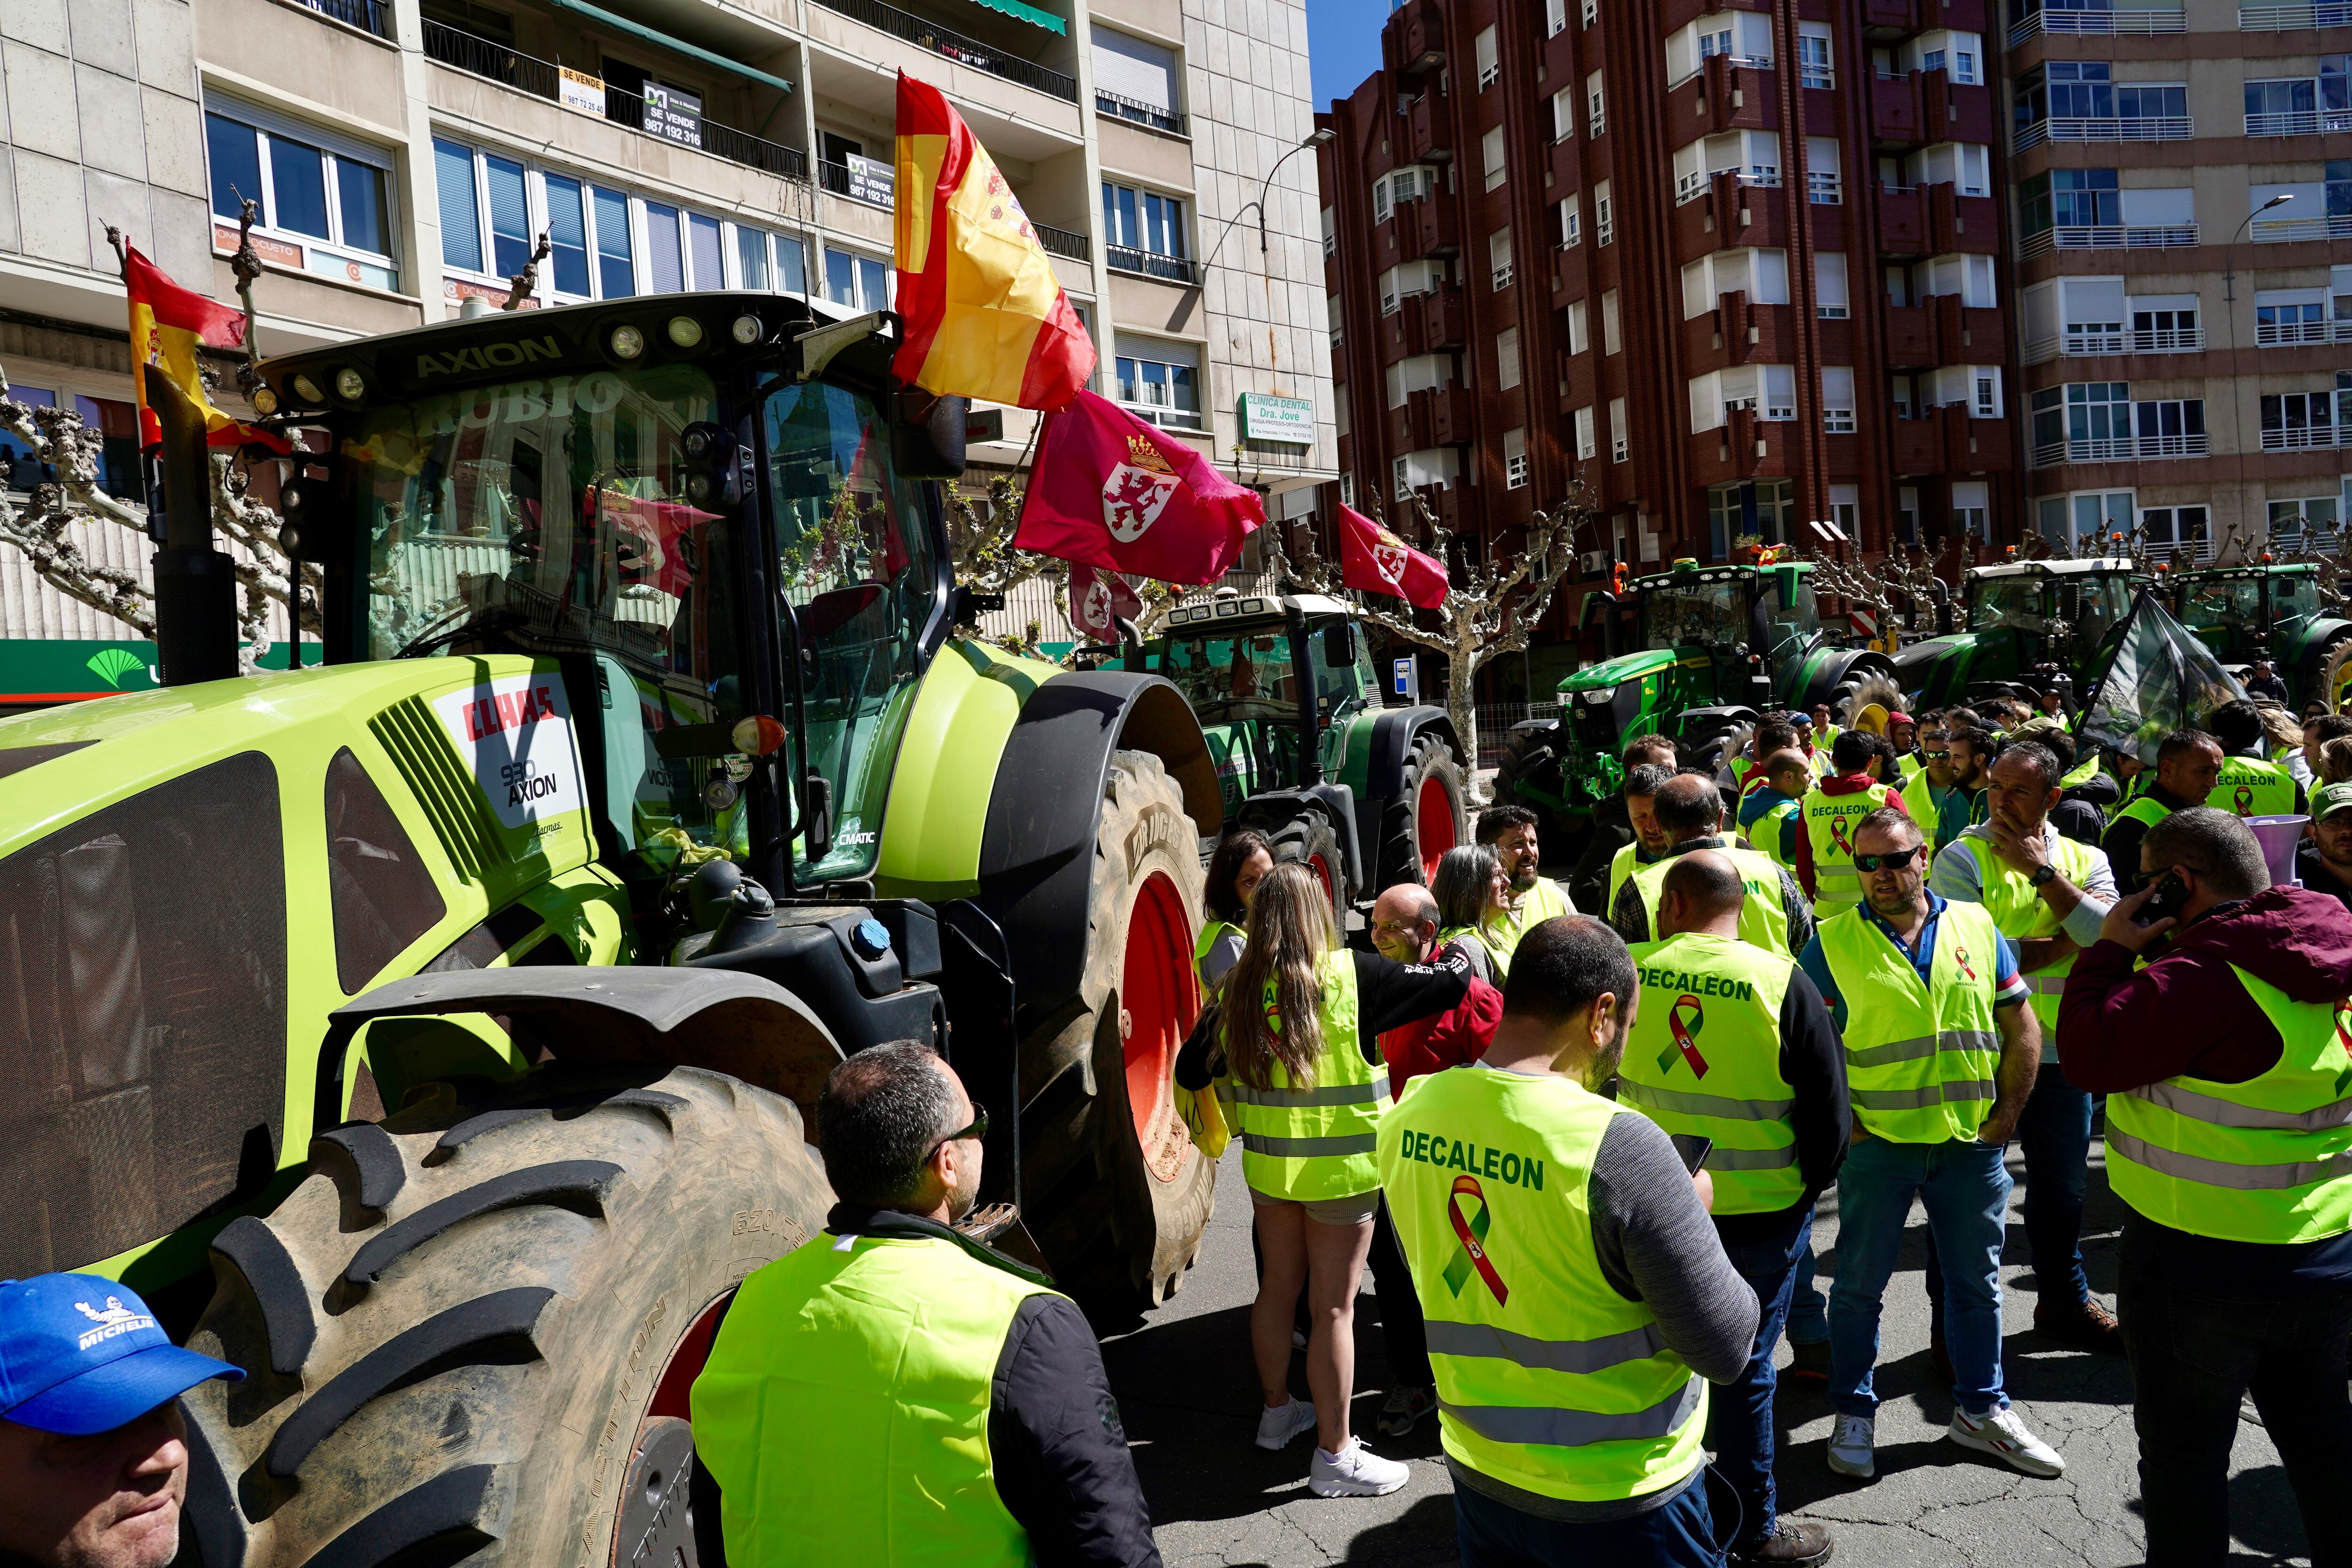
(979,1129)
(1893,862)
(1936,756)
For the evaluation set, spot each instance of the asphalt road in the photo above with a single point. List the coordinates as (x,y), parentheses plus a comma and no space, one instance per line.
(1190,1400)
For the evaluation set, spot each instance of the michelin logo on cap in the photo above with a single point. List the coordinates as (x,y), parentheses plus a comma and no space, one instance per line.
(113,1319)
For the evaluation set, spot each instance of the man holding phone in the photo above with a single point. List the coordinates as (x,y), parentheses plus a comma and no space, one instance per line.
(1733,1054)
(1941,1052)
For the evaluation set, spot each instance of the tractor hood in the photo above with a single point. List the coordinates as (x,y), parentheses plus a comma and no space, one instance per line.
(1613,672)
(1913,660)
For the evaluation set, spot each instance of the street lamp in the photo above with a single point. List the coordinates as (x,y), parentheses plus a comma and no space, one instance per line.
(2229,257)
(2230,318)
(1315,137)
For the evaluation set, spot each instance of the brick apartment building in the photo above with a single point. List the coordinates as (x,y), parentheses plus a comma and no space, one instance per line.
(1748,263)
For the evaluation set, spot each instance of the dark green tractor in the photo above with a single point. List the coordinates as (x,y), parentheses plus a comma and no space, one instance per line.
(2269,611)
(2032,625)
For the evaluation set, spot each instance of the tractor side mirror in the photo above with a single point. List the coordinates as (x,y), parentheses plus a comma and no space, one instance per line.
(1339,646)
(928,438)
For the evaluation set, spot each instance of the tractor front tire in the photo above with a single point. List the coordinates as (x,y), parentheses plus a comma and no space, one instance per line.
(1424,818)
(470,1331)
(1551,827)
(1308,840)
(1116,1195)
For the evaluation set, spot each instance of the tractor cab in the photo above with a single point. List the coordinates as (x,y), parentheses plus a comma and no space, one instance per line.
(2265,611)
(2031,625)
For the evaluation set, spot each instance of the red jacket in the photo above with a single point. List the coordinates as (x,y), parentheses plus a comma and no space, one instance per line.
(1454,1037)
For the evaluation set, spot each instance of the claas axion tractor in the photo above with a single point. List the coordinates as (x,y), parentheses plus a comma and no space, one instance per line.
(450,1017)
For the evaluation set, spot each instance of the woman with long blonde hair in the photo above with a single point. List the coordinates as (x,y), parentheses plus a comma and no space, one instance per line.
(1293,1048)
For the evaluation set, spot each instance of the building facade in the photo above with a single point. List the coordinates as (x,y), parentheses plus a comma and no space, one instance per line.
(2183,186)
(407,153)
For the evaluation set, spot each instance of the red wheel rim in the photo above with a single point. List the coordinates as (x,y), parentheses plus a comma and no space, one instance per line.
(1433,826)
(1322,870)
(686,1364)
(1157,1001)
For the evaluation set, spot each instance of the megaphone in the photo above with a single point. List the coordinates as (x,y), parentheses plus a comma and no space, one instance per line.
(1871,720)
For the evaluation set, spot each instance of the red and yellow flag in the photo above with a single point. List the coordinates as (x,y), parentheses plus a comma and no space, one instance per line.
(984,316)
(167,323)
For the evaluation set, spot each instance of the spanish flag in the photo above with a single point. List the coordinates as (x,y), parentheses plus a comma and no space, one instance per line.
(983,315)
(167,323)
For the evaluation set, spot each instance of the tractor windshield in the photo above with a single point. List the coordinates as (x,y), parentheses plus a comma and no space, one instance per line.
(1234,677)
(1714,614)
(2093,605)
(1793,628)
(2011,603)
(855,562)
(2294,605)
(550,515)
(2234,602)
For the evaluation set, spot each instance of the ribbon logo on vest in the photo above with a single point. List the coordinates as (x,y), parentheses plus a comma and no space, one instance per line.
(1838,840)
(2241,801)
(1472,1253)
(1960,963)
(1685,1036)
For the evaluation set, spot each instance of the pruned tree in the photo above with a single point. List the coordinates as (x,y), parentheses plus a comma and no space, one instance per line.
(979,538)
(1492,606)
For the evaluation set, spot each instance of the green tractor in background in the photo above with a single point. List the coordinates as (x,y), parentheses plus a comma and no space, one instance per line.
(2032,625)
(2269,611)
(1696,654)
(464,1002)
(1291,704)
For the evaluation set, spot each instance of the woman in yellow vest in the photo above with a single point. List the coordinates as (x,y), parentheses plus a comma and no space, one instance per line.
(1242,859)
(1472,898)
(1293,1046)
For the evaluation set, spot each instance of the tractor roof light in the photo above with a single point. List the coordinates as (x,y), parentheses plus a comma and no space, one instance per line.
(308,390)
(627,342)
(350,385)
(745,330)
(265,402)
(685,332)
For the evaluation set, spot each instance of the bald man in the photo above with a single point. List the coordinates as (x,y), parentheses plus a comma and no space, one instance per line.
(1689,809)
(1731,1043)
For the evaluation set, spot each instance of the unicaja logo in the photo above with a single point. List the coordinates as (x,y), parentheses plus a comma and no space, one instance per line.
(113,1319)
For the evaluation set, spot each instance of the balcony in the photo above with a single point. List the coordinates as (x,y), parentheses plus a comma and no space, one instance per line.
(2108,236)
(2124,449)
(1903,220)
(2105,23)
(1435,321)
(1138,112)
(1427,135)
(1743,447)
(1689,188)
(924,33)
(2299,123)
(2088,342)
(1911,337)
(476,56)
(2297,230)
(1900,15)
(1063,242)
(2287,18)
(367,16)
(2137,128)
(1916,446)
(1181,269)
(2305,438)
(1427,226)
(868,180)
(1432,416)
(2295,335)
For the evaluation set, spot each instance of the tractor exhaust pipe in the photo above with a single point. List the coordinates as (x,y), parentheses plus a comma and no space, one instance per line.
(195,584)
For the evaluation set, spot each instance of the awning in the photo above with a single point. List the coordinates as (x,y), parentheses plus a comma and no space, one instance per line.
(1019,12)
(679,46)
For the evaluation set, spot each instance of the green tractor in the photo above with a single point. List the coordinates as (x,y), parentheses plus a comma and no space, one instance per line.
(1695,654)
(1289,699)
(449,1018)
(2269,611)
(2032,625)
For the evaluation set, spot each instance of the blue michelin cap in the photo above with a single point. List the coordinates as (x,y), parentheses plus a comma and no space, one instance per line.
(81,1354)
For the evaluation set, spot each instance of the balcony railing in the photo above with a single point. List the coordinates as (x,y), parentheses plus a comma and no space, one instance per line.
(1742,62)
(2289,230)
(2111,128)
(2180,552)
(2304,437)
(1062,242)
(924,33)
(1823,188)
(1688,188)
(2104,22)
(868,181)
(478,56)
(1167,418)
(2108,237)
(1141,113)
(2117,449)
(2288,334)
(2283,18)
(367,16)
(2149,341)
(2299,123)
(1151,264)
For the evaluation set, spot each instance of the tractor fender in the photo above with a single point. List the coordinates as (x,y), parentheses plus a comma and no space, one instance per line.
(1393,732)
(1699,718)
(2318,642)
(1035,859)
(1838,666)
(1269,810)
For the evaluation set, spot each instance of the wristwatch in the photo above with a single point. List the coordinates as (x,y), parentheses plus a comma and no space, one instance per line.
(2042,876)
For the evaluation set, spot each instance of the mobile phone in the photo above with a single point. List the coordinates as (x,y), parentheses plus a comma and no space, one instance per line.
(1693,1150)
(2171,894)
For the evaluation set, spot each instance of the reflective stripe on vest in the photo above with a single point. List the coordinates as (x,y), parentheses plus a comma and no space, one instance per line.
(1920,1060)
(1763,919)
(1703,1057)
(1316,1142)
(2266,1160)
(1548,1379)
(2253,787)
(2024,915)
(884,1356)
(1829,821)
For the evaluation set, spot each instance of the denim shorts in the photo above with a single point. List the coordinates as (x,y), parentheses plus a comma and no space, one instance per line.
(1355,1209)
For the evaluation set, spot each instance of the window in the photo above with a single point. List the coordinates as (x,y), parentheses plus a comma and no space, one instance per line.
(1608,340)
(1830,300)
(1506,359)
(1587,443)
(1971,509)
(616,272)
(1488,71)
(1761,274)
(1402,282)
(1813,67)
(2066,198)
(665,252)
(2294,420)
(1514,459)
(1404,468)
(1906,511)
(2298,106)
(1621,441)
(1417,372)
(2292,517)
(1845,508)
(1580,331)
(1490,153)
(1144,232)
(1498,258)
(1401,186)
(2291,316)
(856,281)
(1966,165)
(1824,179)
(1596,105)
(1764,511)
(1332,317)
(1837,399)
(1160,381)
(1330,236)
(1563,114)
(1571,223)
(1555,17)
(1347,489)
(2174,525)
(1604,214)
(2064,89)
(119,471)
(15,457)
(1136,80)
(327,198)
(1591,13)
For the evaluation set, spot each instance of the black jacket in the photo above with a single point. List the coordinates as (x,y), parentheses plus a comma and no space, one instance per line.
(1061,1464)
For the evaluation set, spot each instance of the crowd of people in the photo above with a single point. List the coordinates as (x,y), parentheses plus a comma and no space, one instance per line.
(1581,1156)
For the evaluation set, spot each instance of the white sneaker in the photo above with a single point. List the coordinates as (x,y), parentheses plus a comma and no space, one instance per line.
(1851,1446)
(1355,1472)
(2002,1434)
(1277,1424)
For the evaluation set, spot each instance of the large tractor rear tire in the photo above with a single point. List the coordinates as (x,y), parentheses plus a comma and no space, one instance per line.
(1115,1193)
(470,1333)
(1425,818)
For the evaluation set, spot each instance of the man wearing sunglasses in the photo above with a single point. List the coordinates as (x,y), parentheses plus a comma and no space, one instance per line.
(946,1405)
(1933,795)
(2048,894)
(1940,1052)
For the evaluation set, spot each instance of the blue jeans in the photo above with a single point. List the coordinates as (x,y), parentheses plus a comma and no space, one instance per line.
(1809,1312)
(1678,1534)
(2053,1133)
(1739,1416)
(1965,1187)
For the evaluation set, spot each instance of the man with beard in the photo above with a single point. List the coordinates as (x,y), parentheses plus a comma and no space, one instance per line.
(2188,766)
(2323,862)
(1535,898)
(1599,1238)
(947,1404)
(1933,795)
(1973,748)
